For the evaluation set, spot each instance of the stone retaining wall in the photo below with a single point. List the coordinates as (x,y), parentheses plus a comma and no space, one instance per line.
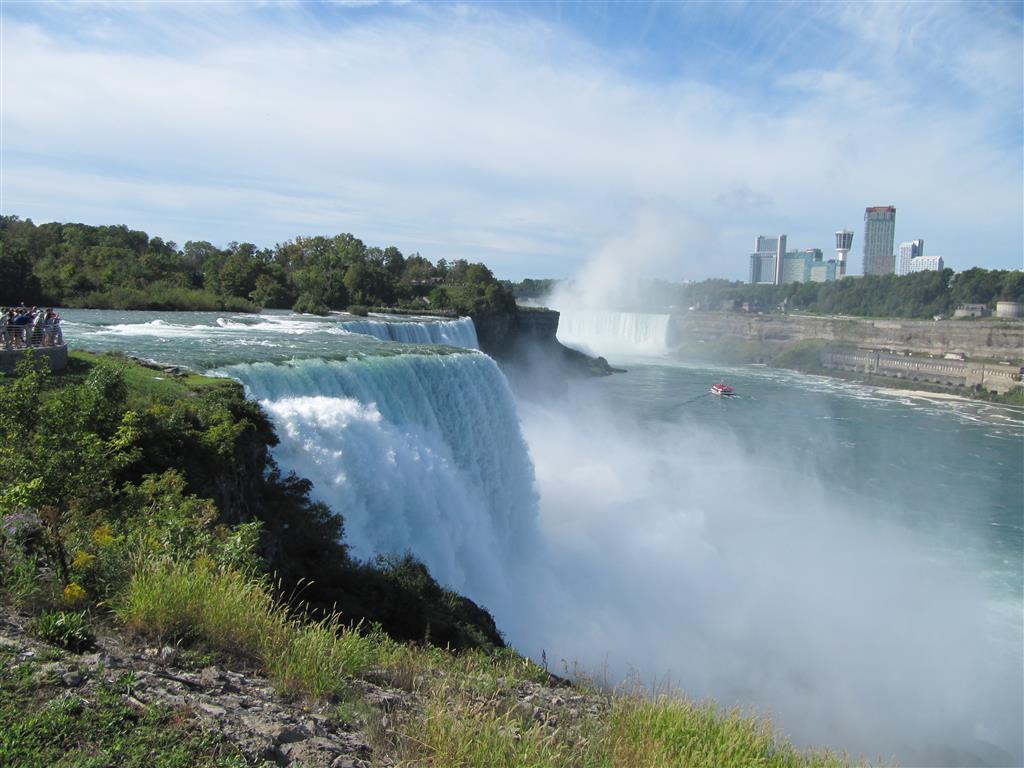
(987,338)
(56,357)
(952,373)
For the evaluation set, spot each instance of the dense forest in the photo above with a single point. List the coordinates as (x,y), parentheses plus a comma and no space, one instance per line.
(114,267)
(920,295)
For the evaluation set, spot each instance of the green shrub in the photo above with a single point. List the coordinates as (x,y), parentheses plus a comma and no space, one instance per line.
(66,629)
(310,305)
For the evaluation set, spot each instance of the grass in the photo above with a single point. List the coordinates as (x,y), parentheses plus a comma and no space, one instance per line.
(145,385)
(636,731)
(66,629)
(231,613)
(672,731)
(39,726)
(472,711)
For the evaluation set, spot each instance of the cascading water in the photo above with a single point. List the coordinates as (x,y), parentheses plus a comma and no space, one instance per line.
(600,332)
(668,539)
(454,333)
(419,452)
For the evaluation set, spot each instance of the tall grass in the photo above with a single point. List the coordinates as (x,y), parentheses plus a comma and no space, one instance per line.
(672,731)
(635,732)
(228,611)
(472,715)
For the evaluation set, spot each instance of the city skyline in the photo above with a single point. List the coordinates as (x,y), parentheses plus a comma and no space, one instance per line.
(530,136)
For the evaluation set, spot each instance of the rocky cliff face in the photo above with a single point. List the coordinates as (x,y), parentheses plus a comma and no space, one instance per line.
(992,339)
(528,333)
(525,345)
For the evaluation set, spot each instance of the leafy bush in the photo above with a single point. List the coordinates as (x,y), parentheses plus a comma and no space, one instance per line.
(309,305)
(66,629)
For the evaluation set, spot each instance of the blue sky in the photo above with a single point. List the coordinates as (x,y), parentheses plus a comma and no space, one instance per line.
(531,136)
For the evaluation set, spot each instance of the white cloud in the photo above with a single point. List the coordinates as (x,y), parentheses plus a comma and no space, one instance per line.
(485,137)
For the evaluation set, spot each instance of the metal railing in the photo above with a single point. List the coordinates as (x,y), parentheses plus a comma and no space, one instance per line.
(26,335)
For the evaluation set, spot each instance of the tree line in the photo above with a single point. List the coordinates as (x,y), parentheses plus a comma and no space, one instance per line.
(918,295)
(114,267)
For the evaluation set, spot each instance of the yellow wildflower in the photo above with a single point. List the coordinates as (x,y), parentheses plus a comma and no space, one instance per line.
(82,559)
(103,536)
(73,593)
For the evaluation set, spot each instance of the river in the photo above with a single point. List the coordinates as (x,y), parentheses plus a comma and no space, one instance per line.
(845,560)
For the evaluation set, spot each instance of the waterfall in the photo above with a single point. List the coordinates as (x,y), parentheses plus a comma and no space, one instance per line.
(419,453)
(603,333)
(454,333)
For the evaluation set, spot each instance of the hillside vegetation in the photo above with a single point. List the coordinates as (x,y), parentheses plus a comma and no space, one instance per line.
(149,506)
(114,267)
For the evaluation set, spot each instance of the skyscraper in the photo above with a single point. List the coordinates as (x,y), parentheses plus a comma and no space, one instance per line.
(879,236)
(766,261)
(912,249)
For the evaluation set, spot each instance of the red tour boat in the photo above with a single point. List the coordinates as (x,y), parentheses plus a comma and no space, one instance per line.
(722,390)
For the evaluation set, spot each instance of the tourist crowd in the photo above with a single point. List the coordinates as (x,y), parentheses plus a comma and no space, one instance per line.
(22,327)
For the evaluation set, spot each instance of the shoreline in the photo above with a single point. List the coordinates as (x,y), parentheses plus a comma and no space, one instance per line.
(925,395)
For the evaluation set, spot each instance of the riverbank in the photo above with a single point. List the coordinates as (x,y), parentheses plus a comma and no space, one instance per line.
(141,623)
(806,356)
(982,339)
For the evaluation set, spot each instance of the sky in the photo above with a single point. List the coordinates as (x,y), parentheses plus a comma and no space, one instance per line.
(526,135)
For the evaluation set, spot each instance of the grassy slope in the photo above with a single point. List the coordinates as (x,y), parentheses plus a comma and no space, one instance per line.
(145,384)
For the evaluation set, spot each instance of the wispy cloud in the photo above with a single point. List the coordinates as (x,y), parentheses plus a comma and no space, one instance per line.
(506,134)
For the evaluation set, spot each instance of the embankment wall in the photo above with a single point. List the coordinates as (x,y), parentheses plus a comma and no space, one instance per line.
(950,373)
(56,357)
(991,339)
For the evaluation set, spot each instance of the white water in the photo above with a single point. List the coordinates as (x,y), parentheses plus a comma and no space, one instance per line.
(420,453)
(601,332)
(454,333)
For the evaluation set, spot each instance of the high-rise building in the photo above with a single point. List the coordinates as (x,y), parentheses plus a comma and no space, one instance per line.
(879,236)
(912,249)
(766,262)
(797,265)
(844,241)
(925,264)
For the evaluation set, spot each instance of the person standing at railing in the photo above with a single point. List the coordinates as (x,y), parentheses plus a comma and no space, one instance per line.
(53,336)
(5,334)
(21,323)
(38,323)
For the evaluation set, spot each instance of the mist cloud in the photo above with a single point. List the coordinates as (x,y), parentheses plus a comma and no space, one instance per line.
(684,556)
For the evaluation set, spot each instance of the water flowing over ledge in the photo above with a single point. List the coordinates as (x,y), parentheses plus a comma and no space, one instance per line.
(419,453)
(601,332)
(454,333)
